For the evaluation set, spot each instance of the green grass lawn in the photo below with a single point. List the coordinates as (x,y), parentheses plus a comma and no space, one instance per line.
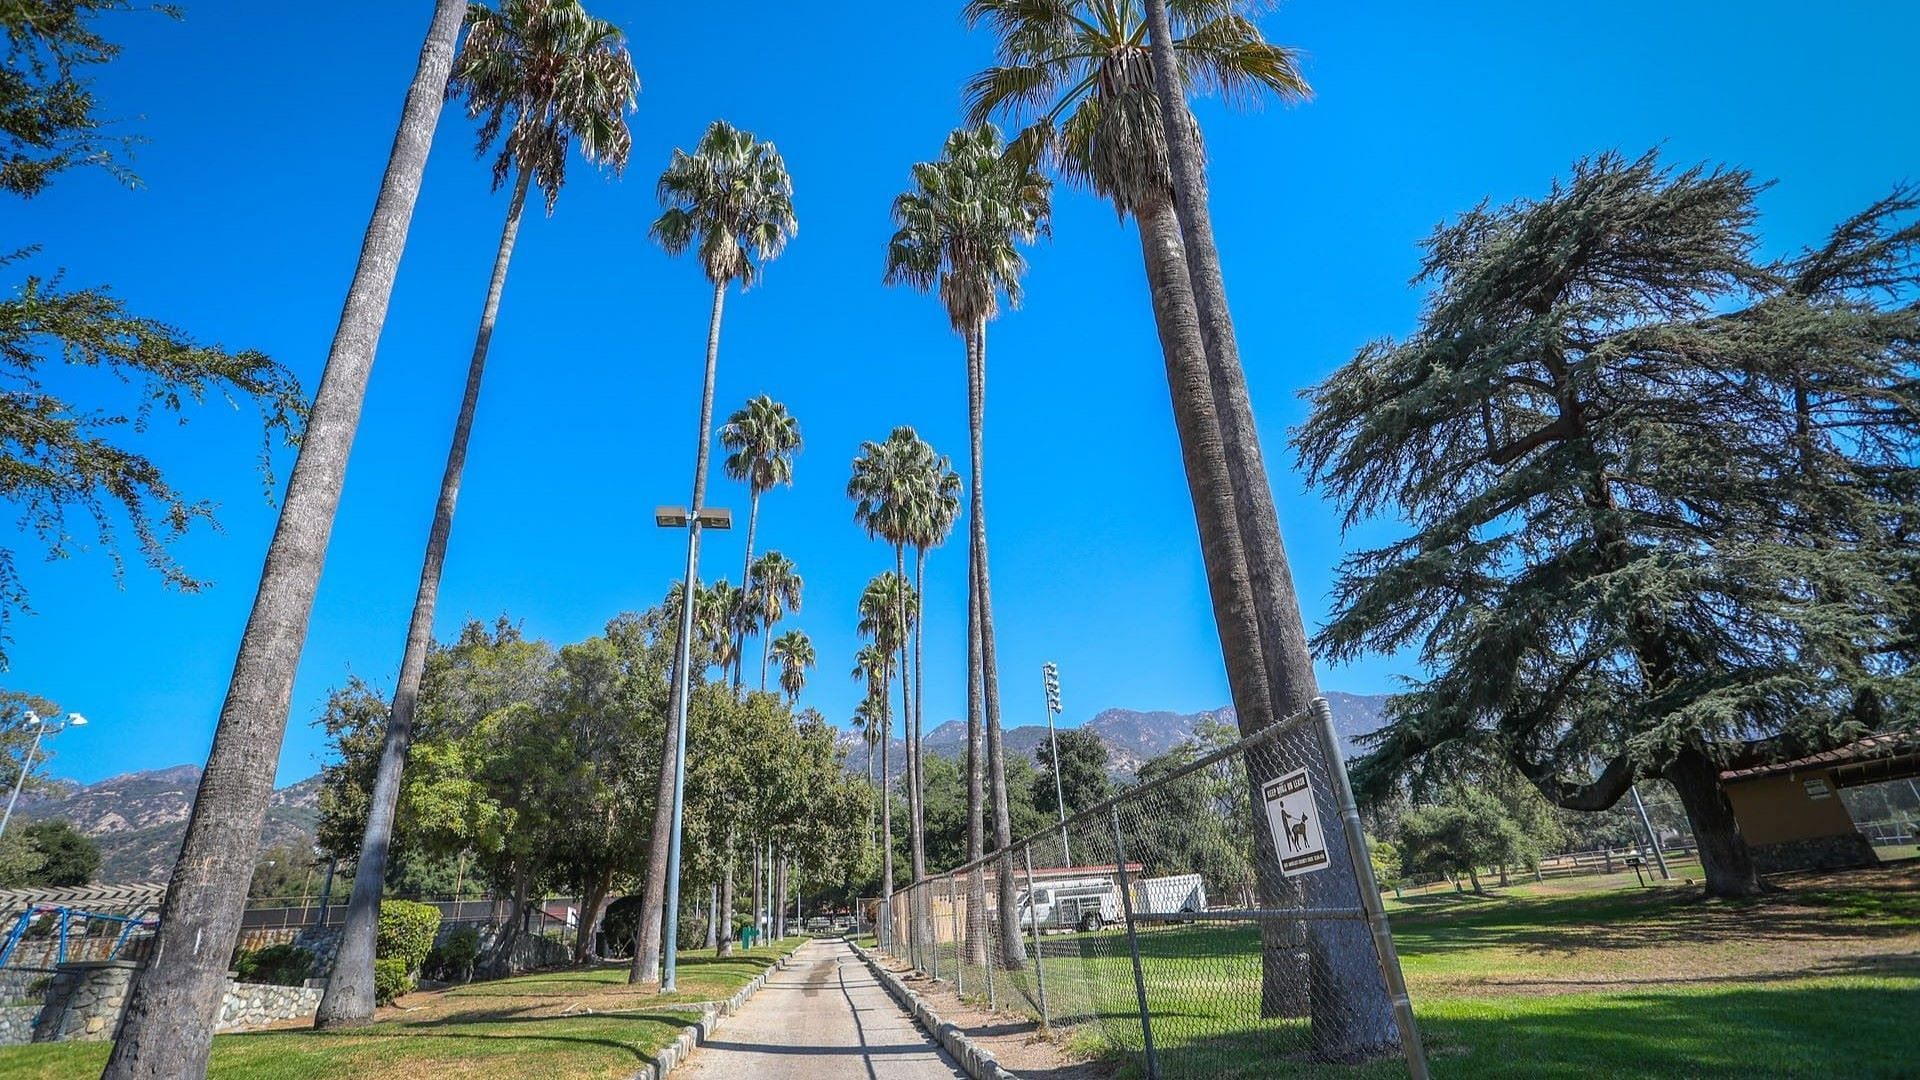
(582,1024)
(1582,977)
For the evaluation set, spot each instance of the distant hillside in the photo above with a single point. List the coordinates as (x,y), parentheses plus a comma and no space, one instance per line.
(1132,738)
(138,819)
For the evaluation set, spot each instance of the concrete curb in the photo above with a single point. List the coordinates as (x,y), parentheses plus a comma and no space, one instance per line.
(711,1014)
(972,1057)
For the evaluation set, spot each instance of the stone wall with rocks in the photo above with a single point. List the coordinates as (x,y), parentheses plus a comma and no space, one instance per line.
(1815,853)
(84,1001)
(16,1024)
(251,1005)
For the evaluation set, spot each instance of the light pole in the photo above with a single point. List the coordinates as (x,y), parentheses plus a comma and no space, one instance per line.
(40,728)
(1651,837)
(677,517)
(1050,676)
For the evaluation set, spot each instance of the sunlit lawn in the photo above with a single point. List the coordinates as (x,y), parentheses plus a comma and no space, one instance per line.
(1576,977)
(586,1024)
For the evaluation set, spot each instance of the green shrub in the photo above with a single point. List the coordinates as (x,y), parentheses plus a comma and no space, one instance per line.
(390,979)
(453,959)
(406,932)
(275,965)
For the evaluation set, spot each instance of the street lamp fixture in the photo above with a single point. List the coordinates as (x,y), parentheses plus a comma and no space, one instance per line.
(1050,676)
(41,729)
(679,517)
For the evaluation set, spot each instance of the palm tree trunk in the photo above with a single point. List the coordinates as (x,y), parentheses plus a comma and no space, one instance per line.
(1284,965)
(168,1026)
(916,823)
(886,817)
(713,916)
(919,743)
(976,709)
(1352,1013)
(647,942)
(759,885)
(1012,951)
(348,1000)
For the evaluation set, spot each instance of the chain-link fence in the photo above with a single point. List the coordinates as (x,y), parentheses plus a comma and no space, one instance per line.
(1220,919)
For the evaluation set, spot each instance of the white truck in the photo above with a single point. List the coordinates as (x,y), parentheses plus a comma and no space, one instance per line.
(1092,903)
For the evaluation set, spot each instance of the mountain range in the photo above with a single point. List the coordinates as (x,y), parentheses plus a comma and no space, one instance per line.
(139,818)
(1131,737)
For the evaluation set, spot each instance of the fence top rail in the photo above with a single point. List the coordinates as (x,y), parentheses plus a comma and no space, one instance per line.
(1259,738)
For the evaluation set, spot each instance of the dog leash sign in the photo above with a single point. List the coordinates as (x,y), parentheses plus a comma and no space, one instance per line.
(1295,823)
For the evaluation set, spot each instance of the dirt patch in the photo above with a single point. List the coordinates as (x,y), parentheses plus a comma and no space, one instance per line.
(1014,1040)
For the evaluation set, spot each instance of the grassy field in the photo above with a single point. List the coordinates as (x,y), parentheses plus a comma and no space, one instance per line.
(576,1024)
(1577,977)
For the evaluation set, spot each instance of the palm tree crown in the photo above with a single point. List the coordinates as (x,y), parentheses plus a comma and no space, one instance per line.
(960,227)
(547,73)
(793,651)
(1082,72)
(763,438)
(888,486)
(732,199)
(884,597)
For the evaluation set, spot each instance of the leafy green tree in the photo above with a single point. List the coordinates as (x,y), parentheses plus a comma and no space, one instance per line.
(1470,827)
(959,230)
(1082,771)
(549,75)
(281,873)
(58,457)
(731,201)
(67,856)
(1661,494)
(167,1029)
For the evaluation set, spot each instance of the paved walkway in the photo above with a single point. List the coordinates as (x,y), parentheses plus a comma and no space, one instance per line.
(824,1016)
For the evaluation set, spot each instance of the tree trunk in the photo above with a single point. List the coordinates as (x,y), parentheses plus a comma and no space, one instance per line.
(916,821)
(348,1000)
(780,899)
(1474,876)
(885,928)
(1723,851)
(168,1026)
(1284,964)
(759,887)
(1352,1012)
(647,943)
(713,916)
(924,911)
(594,898)
(726,902)
(1012,952)
(976,706)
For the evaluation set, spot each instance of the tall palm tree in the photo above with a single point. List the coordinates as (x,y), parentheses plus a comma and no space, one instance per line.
(775,593)
(717,616)
(762,437)
(886,501)
(730,201)
(873,665)
(934,513)
(869,718)
(168,1026)
(793,651)
(549,75)
(960,229)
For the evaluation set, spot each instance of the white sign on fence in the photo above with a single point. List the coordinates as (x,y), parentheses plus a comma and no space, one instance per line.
(1295,821)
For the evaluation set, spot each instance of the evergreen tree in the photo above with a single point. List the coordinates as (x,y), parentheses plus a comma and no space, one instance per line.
(1662,493)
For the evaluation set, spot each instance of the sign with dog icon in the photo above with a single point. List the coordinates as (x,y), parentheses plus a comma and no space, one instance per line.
(1295,822)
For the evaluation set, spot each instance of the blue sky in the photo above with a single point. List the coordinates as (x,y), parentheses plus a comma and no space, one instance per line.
(268,127)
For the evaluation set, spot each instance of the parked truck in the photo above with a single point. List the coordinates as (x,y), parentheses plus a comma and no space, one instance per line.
(1092,903)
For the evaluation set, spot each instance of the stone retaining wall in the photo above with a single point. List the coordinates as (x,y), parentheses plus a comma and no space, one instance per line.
(251,1005)
(16,1024)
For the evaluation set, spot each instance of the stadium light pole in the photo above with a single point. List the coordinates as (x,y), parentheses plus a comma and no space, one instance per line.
(40,728)
(679,517)
(1050,677)
(1652,837)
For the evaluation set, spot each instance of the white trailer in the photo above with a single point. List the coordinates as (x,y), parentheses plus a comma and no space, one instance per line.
(1086,904)
(1170,895)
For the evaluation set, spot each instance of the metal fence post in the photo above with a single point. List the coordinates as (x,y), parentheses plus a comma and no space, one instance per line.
(1039,967)
(1133,944)
(1383,949)
(959,957)
(933,935)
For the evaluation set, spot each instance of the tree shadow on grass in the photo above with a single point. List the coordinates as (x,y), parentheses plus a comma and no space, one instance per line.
(1844,1029)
